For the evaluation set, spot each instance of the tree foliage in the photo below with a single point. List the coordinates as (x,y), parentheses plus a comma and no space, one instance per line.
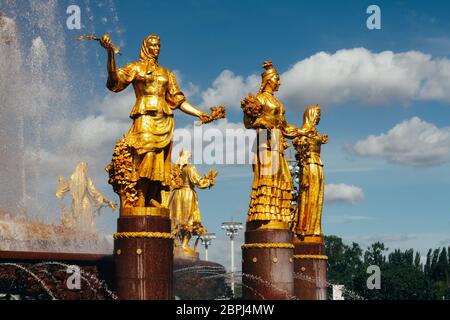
(403,275)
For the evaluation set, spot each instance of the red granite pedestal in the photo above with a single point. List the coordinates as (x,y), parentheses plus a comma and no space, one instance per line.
(143,253)
(310,266)
(267,265)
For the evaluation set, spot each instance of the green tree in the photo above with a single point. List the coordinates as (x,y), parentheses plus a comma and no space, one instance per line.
(375,254)
(403,276)
(440,275)
(345,262)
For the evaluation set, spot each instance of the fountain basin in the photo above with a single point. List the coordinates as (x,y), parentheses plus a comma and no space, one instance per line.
(44,276)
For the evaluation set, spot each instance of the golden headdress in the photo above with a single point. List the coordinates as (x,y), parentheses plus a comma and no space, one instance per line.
(183,158)
(268,73)
(309,116)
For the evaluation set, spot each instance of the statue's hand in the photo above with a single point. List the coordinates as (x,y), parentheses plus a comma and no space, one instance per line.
(110,204)
(211,176)
(216,113)
(300,132)
(205,118)
(106,42)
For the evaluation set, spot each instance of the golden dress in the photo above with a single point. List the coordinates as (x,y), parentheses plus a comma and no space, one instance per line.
(271,194)
(185,213)
(307,221)
(157,95)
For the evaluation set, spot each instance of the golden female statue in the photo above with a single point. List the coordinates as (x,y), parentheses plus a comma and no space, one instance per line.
(307,221)
(272,184)
(140,169)
(183,203)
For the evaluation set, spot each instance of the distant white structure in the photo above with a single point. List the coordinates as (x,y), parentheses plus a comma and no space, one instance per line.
(338,292)
(85,199)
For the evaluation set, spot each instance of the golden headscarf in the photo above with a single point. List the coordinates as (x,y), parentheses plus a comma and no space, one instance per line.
(183,158)
(145,53)
(309,116)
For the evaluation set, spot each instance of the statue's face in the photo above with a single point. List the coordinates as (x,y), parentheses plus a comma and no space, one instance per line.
(154,47)
(275,82)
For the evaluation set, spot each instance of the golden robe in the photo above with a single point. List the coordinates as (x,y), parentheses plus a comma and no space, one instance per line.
(183,201)
(157,95)
(309,208)
(272,183)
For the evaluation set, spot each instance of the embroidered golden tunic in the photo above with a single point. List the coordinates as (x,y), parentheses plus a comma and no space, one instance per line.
(150,135)
(272,184)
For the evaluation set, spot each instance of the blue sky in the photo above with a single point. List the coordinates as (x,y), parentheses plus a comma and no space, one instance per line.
(405,200)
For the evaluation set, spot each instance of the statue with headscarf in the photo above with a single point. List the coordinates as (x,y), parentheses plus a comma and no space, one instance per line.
(141,165)
(183,203)
(271,195)
(86,200)
(308,216)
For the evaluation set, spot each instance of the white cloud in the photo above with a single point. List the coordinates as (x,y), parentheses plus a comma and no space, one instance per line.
(412,142)
(91,138)
(117,106)
(391,238)
(220,142)
(189,89)
(229,89)
(94,132)
(338,219)
(362,76)
(343,193)
(348,75)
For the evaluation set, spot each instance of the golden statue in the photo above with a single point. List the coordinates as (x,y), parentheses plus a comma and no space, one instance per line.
(183,203)
(141,166)
(85,198)
(271,195)
(307,221)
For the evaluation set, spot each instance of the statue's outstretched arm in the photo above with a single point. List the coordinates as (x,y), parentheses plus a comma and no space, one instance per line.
(201,182)
(188,108)
(215,114)
(106,43)
(289,131)
(62,188)
(97,196)
(177,99)
(118,79)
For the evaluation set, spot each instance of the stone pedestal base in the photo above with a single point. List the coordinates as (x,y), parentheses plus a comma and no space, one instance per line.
(310,265)
(143,253)
(267,266)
